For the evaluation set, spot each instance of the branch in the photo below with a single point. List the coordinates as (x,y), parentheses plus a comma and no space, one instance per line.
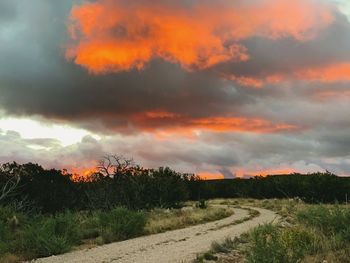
(9,186)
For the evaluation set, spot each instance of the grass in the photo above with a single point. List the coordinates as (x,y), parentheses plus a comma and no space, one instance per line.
(306,234)
(45,235)
(41,236)
(160,220)
(219,248)
(272,244)
(228,244)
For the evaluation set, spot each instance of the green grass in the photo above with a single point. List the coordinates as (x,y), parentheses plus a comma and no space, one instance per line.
(160,220)
(333,222)
(306,234)
(46,235)
(41,236)
(121,224)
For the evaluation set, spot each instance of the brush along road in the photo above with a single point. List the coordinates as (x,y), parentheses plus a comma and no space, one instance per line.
(180,245)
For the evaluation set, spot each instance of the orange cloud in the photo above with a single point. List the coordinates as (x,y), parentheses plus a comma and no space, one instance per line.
(240,173)
(331,73)
(277,171)
(115,35)
(210,176)
(328,73)
(81,174)
(180,124)
(256,82)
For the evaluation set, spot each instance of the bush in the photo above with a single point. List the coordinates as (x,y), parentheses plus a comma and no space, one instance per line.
(4,239)
(271,244)
(8,233)
(120,224)
(89,224)
(333,222)
(46,236)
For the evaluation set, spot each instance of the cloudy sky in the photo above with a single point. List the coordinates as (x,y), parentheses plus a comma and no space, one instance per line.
(219,88)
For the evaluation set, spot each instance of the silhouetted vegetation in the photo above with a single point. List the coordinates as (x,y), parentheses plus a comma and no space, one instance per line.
(311,188)
(29,187)
(51,191)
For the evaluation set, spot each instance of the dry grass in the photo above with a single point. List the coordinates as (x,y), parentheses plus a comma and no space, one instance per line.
(160,220)
(10,258)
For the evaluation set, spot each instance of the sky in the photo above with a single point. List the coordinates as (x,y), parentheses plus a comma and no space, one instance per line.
(220,88)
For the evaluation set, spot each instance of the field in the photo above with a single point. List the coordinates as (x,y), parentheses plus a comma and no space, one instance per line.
(45,235)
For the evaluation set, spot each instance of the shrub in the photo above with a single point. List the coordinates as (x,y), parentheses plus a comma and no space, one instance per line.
(120,224)
(46,236)
(271,244)
(89,224)
(8,234)
(333,222)
(224,247)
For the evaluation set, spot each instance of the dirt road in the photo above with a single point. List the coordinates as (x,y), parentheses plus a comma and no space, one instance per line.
(173,246)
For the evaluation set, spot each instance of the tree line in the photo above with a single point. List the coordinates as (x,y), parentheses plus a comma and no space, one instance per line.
(118,182)
(311,188)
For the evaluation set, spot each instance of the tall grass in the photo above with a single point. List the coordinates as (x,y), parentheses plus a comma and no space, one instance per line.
(46,235)
(333,222)
(120,224)
(161,220)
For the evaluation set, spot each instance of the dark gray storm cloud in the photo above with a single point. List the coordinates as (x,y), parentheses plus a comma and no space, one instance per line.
(36,80)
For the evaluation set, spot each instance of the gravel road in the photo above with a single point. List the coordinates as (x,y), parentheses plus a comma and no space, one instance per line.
(180,245)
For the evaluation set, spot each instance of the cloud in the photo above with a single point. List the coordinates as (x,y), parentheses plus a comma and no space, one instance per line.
(113,36)
(207,154)
(193,113)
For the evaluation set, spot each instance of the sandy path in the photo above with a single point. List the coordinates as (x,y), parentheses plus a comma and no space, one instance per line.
(173,246)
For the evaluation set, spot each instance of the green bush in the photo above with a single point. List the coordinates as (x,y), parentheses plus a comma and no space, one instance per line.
(4,239)
(89,224)
(8,234)
(120,224)
(271,244)
(333,222)
(46,236)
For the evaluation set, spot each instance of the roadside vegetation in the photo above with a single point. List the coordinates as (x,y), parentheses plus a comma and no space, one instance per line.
(306,233)
(47,212)
(161,220)
(24,236)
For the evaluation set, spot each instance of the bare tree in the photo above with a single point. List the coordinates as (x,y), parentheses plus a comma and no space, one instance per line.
(111,165)
(9,186)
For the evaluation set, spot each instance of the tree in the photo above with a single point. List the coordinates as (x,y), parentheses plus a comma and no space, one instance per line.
(10,176)
(113,165)
(9,186)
